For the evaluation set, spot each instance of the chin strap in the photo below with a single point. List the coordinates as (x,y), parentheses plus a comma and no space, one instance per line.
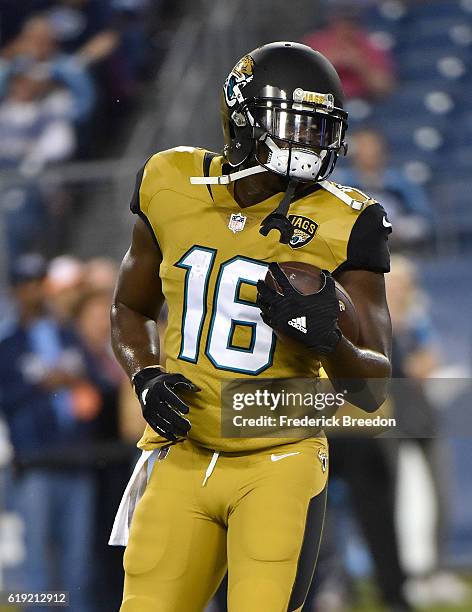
(226,179)
(278,218)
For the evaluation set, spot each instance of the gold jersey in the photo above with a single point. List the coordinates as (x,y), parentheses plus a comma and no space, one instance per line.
(212,257)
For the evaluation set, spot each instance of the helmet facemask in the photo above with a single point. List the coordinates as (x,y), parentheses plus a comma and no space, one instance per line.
(296,141)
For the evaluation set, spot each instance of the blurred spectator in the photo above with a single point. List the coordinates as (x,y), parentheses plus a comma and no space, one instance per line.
(50,404)
(95,29)
(92,321)
(24,217)
(34,131)
(34,128)
(65,284)
(414,334)
(405,202)
(366,70)
(91,315)
(43,93)
(99,50)
(36,45)
(415,358)
(132,19)
(363,478)
(101,273)
(79,22)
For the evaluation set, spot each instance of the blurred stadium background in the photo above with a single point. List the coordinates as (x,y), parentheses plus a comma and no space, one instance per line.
(89,89)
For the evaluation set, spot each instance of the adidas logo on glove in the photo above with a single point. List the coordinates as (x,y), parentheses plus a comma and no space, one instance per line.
(299,323)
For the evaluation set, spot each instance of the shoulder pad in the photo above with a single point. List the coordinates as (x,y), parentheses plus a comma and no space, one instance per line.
(353,197)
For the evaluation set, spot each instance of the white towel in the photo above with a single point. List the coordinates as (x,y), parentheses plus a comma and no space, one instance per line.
(133,493)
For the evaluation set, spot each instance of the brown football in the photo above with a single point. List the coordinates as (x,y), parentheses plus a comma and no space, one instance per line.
(306,279)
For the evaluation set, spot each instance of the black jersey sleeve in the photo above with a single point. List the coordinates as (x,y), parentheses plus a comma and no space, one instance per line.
(367,248)
(135,204)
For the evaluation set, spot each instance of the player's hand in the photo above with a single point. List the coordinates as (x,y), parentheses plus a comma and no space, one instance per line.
(162,407)
(308,319)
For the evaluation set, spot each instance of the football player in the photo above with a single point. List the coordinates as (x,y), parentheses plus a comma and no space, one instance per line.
(252,506)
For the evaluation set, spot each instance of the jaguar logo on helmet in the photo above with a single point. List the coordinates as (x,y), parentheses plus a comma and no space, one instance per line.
(303,230)
(239,77)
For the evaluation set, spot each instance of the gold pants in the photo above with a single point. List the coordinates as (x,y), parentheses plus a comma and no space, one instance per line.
(258,515)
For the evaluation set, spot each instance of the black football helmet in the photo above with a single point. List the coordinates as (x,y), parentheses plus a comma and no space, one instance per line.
(282,112)
(282,105)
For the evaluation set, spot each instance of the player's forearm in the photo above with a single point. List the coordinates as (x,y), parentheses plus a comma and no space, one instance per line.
(351,368)
(135,339)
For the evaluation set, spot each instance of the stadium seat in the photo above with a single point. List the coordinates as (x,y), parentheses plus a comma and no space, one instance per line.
(423,63)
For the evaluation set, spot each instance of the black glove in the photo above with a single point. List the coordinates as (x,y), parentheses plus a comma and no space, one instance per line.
(161,407)
(308,319)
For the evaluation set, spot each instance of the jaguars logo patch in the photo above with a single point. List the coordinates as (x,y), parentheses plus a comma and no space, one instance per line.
(239,77)
(304,230)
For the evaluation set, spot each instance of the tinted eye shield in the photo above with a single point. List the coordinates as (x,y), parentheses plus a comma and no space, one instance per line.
(307,125)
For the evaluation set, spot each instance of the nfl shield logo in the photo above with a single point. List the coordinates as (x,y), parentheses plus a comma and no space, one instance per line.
(237,222)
